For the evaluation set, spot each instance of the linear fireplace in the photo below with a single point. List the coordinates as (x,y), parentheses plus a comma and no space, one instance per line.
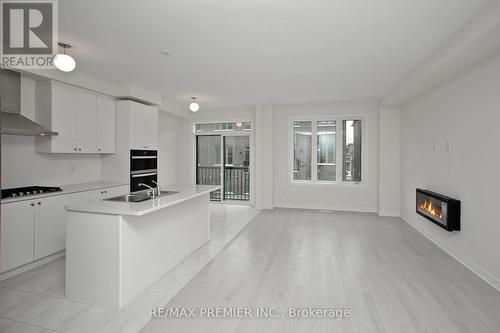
(439,209)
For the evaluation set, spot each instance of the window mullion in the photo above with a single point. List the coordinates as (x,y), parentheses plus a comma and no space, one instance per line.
(339,148)
(314,150)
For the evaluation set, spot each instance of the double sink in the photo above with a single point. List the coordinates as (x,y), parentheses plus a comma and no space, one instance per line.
(140,196)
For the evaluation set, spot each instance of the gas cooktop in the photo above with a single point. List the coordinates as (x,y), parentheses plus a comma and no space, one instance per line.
(27,191)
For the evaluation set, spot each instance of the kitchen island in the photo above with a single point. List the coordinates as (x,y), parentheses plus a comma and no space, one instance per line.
(115,250)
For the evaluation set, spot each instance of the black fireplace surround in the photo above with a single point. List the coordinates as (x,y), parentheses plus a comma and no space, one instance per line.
(439,209)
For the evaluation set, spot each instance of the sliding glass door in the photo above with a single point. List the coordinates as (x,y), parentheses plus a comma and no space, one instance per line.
(208,162)
(224,159)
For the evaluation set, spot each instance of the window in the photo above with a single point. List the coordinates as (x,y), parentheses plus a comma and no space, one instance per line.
(229,154)
(315,146)
(326,150)
(302,132)
(223,127)
(351,142)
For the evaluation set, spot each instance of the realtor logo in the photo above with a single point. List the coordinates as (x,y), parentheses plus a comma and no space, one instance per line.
(29,33)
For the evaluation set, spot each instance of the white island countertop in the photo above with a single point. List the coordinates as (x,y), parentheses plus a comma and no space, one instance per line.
(186,192)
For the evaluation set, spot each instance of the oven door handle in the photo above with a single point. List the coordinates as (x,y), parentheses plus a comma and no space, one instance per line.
(144,157)
(135,172)
(143,174)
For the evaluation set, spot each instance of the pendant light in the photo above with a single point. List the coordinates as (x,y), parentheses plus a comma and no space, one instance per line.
(64,62)
(194,107)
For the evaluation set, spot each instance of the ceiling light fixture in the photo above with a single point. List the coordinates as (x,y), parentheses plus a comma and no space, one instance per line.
(194,106)
(64,62)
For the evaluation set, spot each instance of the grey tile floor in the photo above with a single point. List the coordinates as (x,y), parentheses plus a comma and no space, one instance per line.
(34,301)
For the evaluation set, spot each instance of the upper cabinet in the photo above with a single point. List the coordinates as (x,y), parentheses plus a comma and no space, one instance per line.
(84,120)
(136,128)
(106,120)
(143,124)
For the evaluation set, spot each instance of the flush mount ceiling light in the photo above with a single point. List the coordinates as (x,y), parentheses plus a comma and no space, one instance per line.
(194,106)
(64,62)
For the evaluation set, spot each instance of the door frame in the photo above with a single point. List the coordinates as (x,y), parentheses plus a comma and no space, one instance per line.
(194,158)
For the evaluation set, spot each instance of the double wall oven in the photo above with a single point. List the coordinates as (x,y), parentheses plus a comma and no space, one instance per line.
(143,169)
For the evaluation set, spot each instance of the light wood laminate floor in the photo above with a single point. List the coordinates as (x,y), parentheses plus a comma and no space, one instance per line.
(390,277)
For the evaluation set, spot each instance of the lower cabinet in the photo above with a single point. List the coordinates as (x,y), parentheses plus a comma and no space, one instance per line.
(50,225)
(106,192)
(33,229)
(16,234)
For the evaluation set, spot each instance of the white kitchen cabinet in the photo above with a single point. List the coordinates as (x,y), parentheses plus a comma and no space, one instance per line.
(63,119)
(16,234)
(143,124)
(33,229)
(136,128)
(50,225)
(108,192)
(86,123)
(151,127)
(84,120)
(106,119)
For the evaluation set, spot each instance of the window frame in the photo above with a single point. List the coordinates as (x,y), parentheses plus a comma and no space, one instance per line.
(338,151)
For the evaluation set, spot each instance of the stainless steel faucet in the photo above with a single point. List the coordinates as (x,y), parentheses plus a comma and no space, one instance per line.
(151,188)
(158,188)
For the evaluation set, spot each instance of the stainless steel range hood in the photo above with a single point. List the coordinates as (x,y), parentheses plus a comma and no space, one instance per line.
(11,120)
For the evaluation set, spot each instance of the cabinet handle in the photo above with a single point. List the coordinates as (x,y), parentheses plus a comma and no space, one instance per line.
(98,149)
(80,149)
(105,191)
(32,204)
(39,203)
(75,149)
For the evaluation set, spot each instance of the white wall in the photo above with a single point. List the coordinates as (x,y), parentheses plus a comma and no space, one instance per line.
(223,115)
(465,113)
(352,198)
(264,157)
(389,162)
(21,166)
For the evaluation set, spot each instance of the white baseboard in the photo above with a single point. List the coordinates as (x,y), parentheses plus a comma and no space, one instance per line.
(469,264)
(323,207)
(31,265)
(389,213)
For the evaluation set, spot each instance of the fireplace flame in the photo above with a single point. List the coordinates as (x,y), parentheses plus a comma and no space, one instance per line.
(429,208)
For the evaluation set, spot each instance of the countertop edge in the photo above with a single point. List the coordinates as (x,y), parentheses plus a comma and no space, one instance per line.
(143,212)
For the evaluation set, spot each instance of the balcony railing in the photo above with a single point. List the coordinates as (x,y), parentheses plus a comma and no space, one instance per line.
(236,182)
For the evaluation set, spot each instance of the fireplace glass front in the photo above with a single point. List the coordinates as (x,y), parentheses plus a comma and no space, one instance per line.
(442,210)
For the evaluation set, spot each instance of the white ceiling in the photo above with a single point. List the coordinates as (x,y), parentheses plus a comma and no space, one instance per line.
(245,52)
